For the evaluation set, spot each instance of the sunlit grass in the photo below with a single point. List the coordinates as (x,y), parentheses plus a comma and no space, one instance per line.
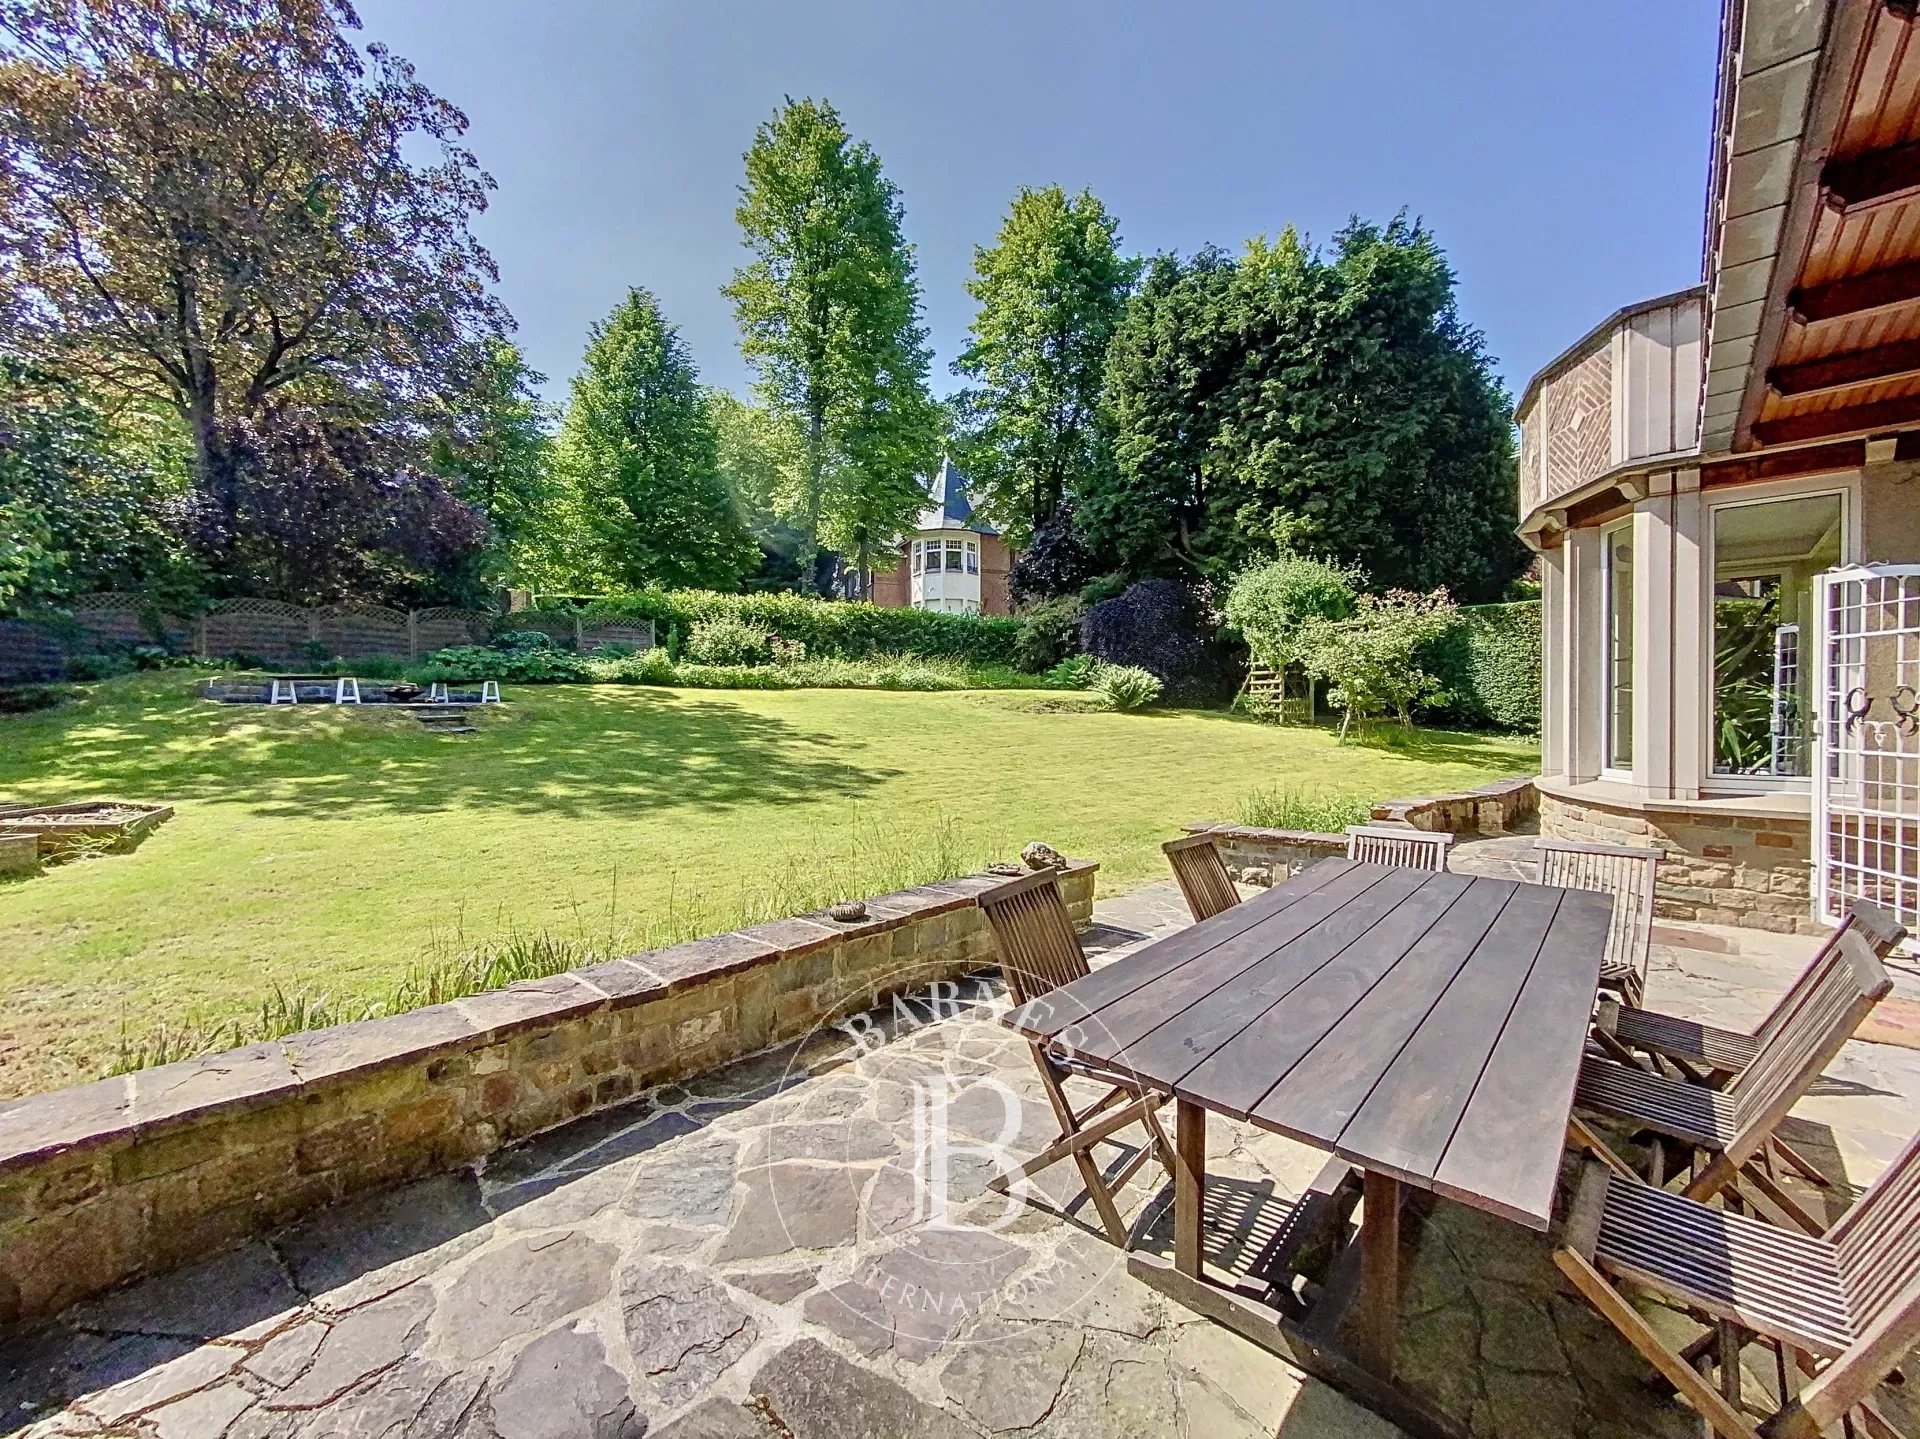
(348,861)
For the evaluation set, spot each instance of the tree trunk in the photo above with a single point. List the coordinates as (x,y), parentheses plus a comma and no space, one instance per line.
(863,572)
(810,531)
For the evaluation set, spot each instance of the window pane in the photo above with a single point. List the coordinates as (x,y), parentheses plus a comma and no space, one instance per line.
(1764,559)
(953,554)
(1617,577)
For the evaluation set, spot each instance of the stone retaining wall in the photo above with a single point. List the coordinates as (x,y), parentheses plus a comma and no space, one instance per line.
(1497,808)
(138,1174)
(1267,856)
(19,854)
(1754,871)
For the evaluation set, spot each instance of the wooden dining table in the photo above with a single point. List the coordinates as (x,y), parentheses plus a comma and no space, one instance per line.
(1424,1029)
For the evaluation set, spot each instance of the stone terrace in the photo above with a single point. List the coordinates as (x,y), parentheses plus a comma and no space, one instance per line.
(751,1254)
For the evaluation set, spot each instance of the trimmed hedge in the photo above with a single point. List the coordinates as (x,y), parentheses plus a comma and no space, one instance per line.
(1490,663)
(827,627)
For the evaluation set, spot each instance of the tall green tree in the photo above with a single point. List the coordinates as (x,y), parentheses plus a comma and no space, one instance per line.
(1051,289)
(645,502)
(1332,403)
(829,316)
(493,438)
(81,506)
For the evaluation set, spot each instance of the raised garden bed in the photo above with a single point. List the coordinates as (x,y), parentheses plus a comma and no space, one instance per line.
(112,825)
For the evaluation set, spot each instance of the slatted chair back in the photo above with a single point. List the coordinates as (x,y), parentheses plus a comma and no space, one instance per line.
(1877,1243)
(1786,1064)
(1202,874)
(1403,848)
(1039,951)
(1877,926)
(1626,872)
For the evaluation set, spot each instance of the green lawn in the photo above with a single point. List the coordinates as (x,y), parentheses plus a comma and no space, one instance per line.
(328,849)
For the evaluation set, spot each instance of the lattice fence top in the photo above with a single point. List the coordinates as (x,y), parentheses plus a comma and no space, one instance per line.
(361,609)
(109,600)
(448,612)
(279,609)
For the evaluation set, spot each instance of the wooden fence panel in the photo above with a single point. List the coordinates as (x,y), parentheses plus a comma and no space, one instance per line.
(358,632)
(267,630)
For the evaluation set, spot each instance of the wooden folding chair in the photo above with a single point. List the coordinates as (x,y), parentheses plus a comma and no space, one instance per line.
(1202,873)
(1713,1056)
(1039,952)
(1626,872)
(1403,848)
(1839,1310)
(1734,1127)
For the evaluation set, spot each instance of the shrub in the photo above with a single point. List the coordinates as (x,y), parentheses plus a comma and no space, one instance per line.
(1049,633)
(1075,673)
(1126,687)
(98,665)
(1053,564)
(523,640)
(647,667)
(1154,626)
(1270,602)
(787,652)
(1489,663)
(467,664)
(725,640)
(25,699)
(1370,659)
(825,627)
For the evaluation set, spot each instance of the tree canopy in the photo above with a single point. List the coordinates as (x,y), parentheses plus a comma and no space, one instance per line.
(1333,403)
(223,204)
(1051,290)
(829,316)
(493,440)
(645,502)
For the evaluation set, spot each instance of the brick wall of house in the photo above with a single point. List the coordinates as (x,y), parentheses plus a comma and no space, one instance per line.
(995,562)
(893,589)
(1755,871)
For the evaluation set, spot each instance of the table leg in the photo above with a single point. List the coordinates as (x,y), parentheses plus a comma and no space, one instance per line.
(1378,1307)
(1189,1186)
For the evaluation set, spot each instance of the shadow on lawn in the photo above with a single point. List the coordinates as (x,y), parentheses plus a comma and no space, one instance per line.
(614,752)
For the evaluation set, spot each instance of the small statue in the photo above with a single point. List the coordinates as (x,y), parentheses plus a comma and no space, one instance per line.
(1043,856)
(847,911)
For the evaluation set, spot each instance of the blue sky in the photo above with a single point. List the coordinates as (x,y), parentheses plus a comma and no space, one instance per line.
(1559,151)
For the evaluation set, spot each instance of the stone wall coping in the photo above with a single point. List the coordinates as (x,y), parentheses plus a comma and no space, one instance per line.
(1775,804)
(1272,836)
(135,1106)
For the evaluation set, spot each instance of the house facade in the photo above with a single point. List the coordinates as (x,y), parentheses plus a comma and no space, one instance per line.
(1723,485)
(954,561)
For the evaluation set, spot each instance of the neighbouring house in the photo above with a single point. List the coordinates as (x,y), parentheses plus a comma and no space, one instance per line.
(954,561)
(1721,484)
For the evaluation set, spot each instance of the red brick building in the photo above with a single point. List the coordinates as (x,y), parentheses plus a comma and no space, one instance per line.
(954,561)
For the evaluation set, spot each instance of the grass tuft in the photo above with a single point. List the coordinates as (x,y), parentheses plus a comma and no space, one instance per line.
(1303,807)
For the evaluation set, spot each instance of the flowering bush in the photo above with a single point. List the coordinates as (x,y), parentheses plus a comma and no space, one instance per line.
(1370,658)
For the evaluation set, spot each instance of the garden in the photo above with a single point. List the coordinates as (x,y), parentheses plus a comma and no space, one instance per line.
(325,863)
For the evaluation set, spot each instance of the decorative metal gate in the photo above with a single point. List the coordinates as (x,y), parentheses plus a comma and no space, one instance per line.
(1866,788)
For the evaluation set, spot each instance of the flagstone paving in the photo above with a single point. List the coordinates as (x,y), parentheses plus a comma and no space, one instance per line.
(778,1250)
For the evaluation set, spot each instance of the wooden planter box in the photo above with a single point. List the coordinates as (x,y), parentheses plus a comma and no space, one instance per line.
(62,828)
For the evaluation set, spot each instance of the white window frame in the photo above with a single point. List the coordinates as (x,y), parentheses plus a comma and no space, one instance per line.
(1847,486)
(1608,769)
